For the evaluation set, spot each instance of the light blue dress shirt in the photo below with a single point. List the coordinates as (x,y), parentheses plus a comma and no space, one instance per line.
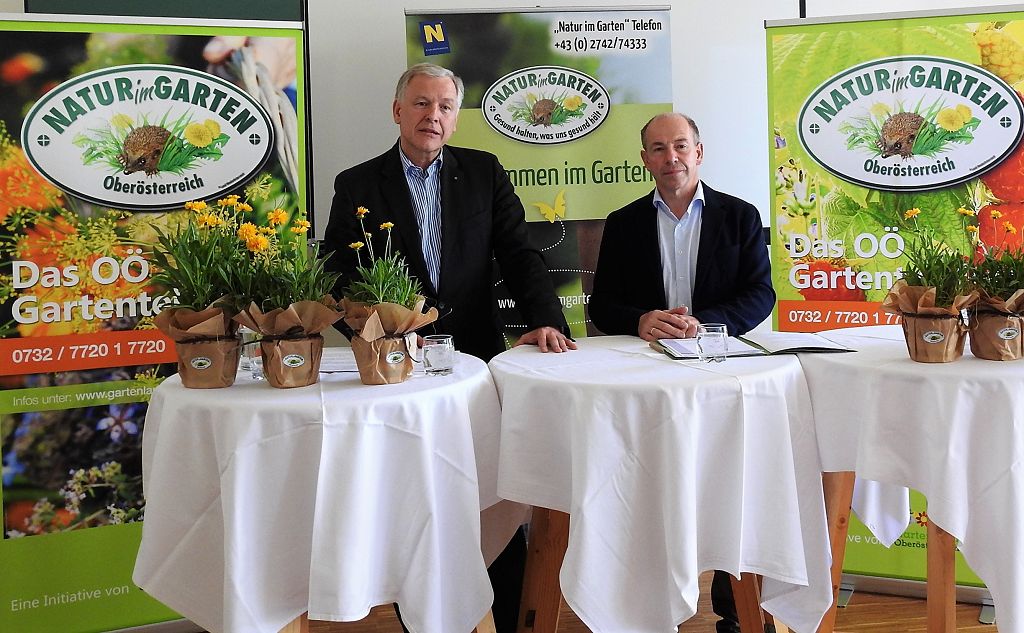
(425,192)
(678,240)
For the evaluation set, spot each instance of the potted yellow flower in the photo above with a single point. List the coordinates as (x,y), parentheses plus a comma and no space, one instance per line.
(195,265)
(383,305)
(995,321)
(931,297)
(285,290)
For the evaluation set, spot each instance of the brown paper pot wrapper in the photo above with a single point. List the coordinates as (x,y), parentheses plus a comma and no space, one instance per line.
(206,344)
(934,334)
(291,363)
(379,345)
(292,346)
(995,328)
(384,361)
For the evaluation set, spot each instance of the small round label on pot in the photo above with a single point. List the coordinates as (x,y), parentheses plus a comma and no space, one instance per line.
(201,362)
(294,360)
(933,336)
(1008,333)
(394,358)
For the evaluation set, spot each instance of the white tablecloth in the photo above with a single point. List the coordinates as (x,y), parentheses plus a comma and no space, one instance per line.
(265,503)
(667,469)
(954,431)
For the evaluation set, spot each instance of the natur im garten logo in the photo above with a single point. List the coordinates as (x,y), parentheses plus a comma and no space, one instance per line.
(546,105)
(147,137)
(911,123)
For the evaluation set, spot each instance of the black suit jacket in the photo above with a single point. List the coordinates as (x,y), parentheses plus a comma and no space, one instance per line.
(732,283)
(482,220)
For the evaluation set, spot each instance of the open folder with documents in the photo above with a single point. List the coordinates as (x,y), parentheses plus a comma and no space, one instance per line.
(758,343)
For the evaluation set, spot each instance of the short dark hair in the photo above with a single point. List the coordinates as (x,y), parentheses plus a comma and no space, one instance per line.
(693,126)
(430,70)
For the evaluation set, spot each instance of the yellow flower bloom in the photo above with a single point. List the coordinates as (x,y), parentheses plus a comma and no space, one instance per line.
(573,103)
(298,230)
(266,230)
(964,112)
(996,214)
(361,211)
(1009,228)
(302,224)
(258,244)
(967,212)
(387,226)
(196,205)
(911,213)
(122,121)
(230,201)
(247,231)
(949,119)
(970,228)
(243,206)
(198,134)
(356,245)
(213,127)
(880,110)
(277,216)
(209,220)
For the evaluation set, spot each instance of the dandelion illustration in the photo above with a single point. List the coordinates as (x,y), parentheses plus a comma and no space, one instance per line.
(911,213)
(573,103)
(198,134)
(880,110)
(121,122)
(213,127)
(949,119)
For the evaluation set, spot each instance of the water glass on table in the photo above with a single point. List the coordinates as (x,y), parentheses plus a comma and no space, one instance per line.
(252,357)
(438,354)
(712,342)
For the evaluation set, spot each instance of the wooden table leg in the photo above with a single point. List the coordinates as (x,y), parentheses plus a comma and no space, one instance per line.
(746,592)
(298,625)
(487,624)
(838,489)
(941,580)
(542,597)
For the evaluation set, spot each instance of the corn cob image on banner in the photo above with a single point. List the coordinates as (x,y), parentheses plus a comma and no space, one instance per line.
(885,135)
(559,97)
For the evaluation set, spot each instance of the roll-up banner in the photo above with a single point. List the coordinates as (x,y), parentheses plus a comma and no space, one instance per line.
(559,97)
(883,132)
(107,129)
(879,128)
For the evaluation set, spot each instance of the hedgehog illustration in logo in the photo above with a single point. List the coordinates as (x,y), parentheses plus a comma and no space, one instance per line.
(898,134)
(142,149)
(542,111)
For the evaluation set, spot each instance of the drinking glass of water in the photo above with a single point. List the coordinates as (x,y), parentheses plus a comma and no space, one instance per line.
(438,354)
(712,342)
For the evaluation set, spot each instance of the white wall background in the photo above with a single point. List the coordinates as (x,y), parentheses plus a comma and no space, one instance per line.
(357,52)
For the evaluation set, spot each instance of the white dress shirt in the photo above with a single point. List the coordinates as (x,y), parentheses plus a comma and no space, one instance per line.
(678,240)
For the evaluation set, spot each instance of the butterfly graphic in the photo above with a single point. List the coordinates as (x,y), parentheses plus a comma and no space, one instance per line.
(550,213)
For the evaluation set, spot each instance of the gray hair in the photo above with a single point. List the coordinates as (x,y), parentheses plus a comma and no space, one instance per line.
(429,70)
(665,115)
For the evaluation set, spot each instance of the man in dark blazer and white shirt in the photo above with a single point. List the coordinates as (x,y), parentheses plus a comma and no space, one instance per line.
(455,213)
(682,255)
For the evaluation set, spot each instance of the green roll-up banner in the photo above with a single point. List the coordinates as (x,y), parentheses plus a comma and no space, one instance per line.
(559,97)
(84,104)
(885,132)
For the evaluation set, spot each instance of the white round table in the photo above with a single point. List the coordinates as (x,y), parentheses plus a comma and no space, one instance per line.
(953,431)
(265,503)
(667,469)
